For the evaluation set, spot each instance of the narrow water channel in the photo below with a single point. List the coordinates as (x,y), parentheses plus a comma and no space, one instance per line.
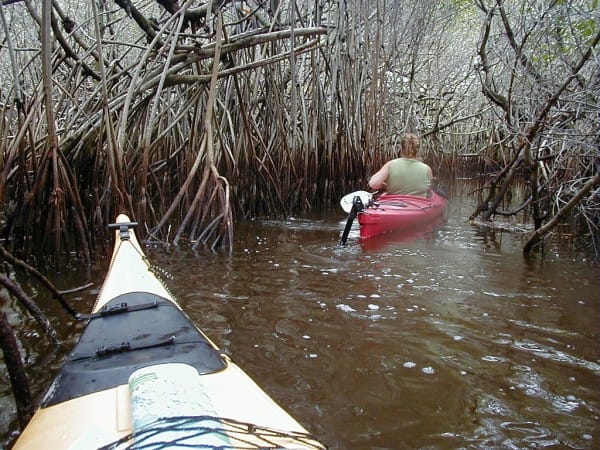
(449,340)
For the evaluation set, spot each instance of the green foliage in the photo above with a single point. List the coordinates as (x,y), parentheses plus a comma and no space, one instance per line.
(588,28)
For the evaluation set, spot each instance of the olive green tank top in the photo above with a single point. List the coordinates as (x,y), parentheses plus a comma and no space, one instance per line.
(408,176)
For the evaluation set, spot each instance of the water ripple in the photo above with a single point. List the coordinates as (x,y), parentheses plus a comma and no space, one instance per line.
(553,354)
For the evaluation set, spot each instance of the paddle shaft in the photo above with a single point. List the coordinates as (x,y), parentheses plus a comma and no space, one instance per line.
(357,205)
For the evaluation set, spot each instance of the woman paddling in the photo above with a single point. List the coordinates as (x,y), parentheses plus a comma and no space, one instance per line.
(405,175)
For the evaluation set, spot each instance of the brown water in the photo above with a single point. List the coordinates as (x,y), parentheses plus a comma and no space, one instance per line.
(452,340)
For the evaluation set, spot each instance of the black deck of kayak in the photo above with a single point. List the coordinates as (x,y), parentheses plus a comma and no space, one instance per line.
(134,330)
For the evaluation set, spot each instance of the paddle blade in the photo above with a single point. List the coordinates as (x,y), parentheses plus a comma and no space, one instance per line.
(348,199)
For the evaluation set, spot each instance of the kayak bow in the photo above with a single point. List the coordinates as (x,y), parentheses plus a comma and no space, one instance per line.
(144,376)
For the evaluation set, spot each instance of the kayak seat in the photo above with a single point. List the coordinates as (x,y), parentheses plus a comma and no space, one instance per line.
(138,329)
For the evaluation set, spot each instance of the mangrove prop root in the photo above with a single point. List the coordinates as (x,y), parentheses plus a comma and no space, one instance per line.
(538,234)
(45,281)
(30,305)
(16,371)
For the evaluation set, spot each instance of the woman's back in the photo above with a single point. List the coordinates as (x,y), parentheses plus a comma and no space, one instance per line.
(408,176)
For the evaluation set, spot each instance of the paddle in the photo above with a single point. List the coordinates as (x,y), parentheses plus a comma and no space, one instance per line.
(348,200)
(356,205)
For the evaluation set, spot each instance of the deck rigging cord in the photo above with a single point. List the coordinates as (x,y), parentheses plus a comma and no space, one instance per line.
(234,434)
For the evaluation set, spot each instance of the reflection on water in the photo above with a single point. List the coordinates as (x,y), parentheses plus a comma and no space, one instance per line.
(449,340)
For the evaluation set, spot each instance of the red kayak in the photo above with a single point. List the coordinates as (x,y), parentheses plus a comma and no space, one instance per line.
(390,213)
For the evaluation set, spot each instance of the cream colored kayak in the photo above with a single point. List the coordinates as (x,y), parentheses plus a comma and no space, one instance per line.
(144,376)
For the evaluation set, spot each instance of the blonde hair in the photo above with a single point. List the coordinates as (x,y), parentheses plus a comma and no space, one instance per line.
(409,145)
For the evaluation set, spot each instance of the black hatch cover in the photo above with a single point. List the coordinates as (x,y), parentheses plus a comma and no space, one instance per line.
(132,331)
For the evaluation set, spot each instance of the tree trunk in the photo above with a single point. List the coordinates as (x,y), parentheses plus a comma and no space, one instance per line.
(57,196)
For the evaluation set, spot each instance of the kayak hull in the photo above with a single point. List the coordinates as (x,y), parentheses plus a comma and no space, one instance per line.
(140,357)
(392,213)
